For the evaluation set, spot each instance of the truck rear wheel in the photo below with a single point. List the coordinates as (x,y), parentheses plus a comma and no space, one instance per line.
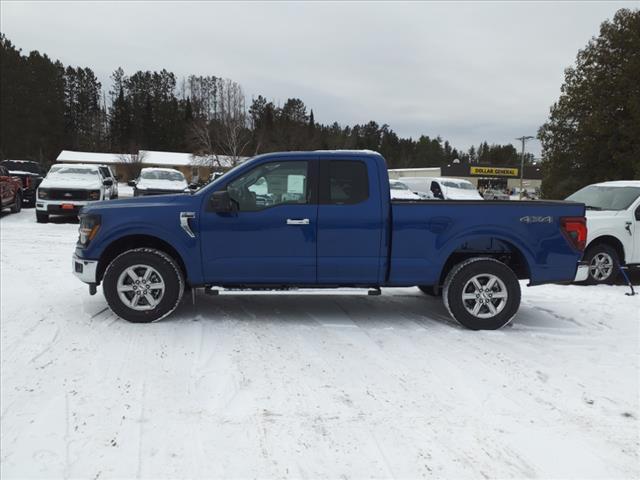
(482,294)
(143,285)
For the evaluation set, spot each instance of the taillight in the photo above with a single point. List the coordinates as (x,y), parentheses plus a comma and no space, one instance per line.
(575,229)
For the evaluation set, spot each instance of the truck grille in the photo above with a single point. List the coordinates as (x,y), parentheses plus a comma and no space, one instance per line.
(70,194)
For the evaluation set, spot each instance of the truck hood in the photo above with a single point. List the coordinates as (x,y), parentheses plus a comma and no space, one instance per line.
(71,181)
(137,202)
(159,184)
(461,194)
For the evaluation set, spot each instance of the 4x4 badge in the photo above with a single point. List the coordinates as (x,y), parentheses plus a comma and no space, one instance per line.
(534,219)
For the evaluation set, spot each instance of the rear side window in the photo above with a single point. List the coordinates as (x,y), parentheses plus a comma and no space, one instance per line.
(105,172)
(344,182)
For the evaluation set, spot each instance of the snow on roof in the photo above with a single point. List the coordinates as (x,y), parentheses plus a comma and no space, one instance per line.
(148,157)
(620,183)
(161,169)
(87,157)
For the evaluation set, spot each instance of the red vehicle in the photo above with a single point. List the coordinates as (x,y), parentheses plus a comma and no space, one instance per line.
(10,191)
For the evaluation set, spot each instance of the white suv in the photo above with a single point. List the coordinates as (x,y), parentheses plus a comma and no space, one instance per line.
(613,227)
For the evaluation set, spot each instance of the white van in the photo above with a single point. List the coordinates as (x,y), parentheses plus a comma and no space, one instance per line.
(442,188)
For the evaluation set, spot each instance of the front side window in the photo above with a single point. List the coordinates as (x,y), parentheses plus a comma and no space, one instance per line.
(271,184)
(345,183)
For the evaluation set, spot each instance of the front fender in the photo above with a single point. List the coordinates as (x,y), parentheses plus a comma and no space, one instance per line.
(187,247)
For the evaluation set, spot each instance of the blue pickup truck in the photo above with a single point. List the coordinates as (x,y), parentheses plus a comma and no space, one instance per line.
(324,219)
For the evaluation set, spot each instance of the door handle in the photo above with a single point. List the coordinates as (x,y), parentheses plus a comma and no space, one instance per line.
(302,221)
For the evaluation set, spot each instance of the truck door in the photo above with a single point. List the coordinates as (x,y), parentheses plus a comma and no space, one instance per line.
(271,239)
(349,222)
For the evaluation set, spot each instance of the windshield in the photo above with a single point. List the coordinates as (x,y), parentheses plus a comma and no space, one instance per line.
(398,186)
(601,197)
(460,185)
(73,171)
(162,175)
(15,166)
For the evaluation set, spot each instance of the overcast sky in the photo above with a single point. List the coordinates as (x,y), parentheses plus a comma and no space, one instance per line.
(466,71)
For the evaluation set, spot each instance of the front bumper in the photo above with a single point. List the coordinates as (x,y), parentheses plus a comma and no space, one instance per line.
(60,207)
(583,272)
(84,269)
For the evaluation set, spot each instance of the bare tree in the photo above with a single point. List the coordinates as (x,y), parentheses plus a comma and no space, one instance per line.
(227,133)
(234,134)
(132,163)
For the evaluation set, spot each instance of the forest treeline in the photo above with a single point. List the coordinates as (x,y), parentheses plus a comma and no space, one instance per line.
(47,107)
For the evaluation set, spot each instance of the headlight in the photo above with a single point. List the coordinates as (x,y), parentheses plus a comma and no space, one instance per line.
(42,193)
(89,226)
(94,195)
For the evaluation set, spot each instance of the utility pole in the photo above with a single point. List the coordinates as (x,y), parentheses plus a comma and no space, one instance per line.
(523,139)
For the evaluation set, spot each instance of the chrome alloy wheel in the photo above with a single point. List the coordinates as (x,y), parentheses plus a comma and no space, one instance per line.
(140,287)
(601,266)
(484,296)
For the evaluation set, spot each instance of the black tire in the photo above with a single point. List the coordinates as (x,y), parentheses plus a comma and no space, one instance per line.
(42,217)
(459,281)
(591,257)
(165,266)
(431,290)
(17,204)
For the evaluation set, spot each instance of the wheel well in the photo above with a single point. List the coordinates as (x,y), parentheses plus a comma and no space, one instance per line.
(136,241)
(613,242)
(491,247)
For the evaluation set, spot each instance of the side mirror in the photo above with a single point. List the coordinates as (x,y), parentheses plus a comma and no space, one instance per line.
(131,183)
(193,186)
(107,182)
(221,202)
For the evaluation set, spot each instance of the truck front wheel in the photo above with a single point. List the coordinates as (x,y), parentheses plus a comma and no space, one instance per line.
(482,293)
(143,285)
(603,262)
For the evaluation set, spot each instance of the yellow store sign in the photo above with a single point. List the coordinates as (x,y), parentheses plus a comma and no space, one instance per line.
(495,171)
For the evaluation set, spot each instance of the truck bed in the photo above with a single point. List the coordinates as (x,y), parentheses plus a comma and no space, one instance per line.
(424,234)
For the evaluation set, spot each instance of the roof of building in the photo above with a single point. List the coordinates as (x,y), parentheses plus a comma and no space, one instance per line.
(147,157)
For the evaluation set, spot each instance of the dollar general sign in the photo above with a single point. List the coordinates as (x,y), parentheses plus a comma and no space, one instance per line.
(495,171)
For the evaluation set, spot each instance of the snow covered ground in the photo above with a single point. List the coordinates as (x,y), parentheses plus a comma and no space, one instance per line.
(307,385)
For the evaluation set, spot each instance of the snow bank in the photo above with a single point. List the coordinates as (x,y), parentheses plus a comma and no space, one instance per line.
(316,385)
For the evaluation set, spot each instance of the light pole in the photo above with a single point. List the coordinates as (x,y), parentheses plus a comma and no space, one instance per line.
(523,139)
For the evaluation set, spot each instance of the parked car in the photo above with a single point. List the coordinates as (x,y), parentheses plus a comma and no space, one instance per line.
(495,195)
(10,191)
(613,219)
(159,181)
(443,188)
(330,223)
(111,192)
(69,187)
(399,191)
(30,174)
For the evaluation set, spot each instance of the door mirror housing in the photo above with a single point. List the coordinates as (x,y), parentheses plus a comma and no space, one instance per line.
(131,183)
(221,202)
(193,186)
(107,182)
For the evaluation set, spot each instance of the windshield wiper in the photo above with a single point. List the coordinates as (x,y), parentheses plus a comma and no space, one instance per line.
(591,207)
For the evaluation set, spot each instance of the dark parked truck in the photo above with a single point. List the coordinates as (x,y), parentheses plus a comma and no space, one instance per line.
(324,219)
